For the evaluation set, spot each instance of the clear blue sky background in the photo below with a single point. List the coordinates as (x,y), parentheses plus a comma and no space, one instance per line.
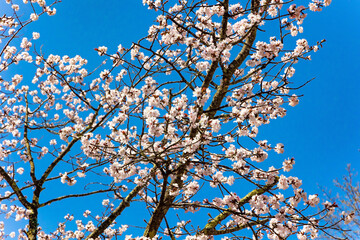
(322,132)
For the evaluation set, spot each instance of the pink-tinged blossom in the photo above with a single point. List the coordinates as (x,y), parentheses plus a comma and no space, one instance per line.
(229,139)
(272,10)
(283,183)
(313,200)
(35,35)
(327,2)
(215,125)
(4,207)
(102,50)
(230,180)
(279,148)
(293,100)
(86,213)
(202,66)
(105,202)
(17,79)
(349,217)
(289,72)
(134,51)
(15,7)
(121,49)
(330,207)
(259,155)
(34,17)
(25,44)
(49,11)
(315,6)
(288,164)
(66,179)
(254,18)
(203,94)
(44,150)
(20,170)
(191,188)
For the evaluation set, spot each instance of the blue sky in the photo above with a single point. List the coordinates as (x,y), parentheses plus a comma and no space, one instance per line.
(322,132)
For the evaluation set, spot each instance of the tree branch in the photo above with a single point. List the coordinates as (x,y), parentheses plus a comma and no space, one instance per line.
(15,188)
(74,195)
(109,220)
(236,228)
(210,227)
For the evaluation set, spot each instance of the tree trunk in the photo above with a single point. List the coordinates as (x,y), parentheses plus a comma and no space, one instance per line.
(33,224)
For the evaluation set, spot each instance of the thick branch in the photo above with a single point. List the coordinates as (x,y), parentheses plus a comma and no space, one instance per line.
(109,220)
(215,64)
(27,142)
(225,20)
(210,227)
(15,188)
(163,206)
(68,148)
(240,58)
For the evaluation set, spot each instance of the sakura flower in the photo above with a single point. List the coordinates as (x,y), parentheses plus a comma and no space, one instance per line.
(44,150)
(283,183)
(102,50)
(230,180)
(34,17)
(192,188)
(202,66)
(229,139)
(105,202)
(215,125)
(349,218)
(26,44)
(121,49)
(15,7)
(36,35)
(289,72)
(288,164)
(293,101)
(87,213)
(279,148)
(50,12)
(313,200)
(327,2)
(66,179)
(259,155)
(20,170)
(330,207)
(314,6)
(69,217)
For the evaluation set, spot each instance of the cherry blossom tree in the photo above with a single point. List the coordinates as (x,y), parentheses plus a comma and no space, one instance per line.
(168,124)
(348,200)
